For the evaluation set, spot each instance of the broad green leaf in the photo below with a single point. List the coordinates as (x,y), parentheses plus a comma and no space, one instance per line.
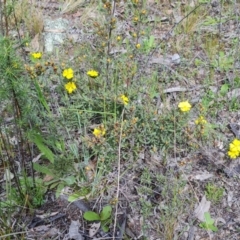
(105,228)
(224,89)
(202,225)
(208,218)
(69,180)
(106,213)
(151,41)
(213,228)
(105,225)
(91,216)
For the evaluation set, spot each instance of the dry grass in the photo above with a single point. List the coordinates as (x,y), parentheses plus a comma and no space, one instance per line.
(71,5)
(31,15)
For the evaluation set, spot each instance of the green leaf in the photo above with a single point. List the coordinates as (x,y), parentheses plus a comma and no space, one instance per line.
(151,41)
(54,185)
(105,225)
(209,223)
(59,189)
(42,169)
(69,180)
(203,225)
(106,213)
(74,197)
(213,228)
(208,219)
(37,139)
(41,97)
(91,216)
(224,89)
(52,182)
(105,228)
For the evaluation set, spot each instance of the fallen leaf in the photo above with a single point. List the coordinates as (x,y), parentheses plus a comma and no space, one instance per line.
(47,178)
(94,229)
(37,157)
(73,231)
(203,176)
(8,175)
(203,207)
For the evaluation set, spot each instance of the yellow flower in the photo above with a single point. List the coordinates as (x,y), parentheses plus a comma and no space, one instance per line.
(201,120)
(68,73)
(138,45)
(119,38)
(234,149)
(184,106)
(233,154)
(92,73)
(235,146)
(135,19)
(70,87)
(99,132)
(124,99)
(236,142)
(36,55)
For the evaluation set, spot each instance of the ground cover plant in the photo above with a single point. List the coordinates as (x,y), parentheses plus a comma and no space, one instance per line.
(119,119)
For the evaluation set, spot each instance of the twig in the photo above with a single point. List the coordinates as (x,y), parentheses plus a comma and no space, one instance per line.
(118,175)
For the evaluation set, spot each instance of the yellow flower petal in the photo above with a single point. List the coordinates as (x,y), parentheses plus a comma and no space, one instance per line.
(92,73)
(70,87)
(124,99)
(201,120)
(184,106)
(99,132)
(37,55)
(233,154)
(68,73)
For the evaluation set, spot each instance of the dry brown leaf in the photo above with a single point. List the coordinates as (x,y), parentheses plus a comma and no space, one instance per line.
(48,178)
(34,44)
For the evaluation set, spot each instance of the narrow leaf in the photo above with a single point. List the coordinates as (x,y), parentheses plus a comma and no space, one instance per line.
(43,148)
(42,169)
(41,97)
(59,189)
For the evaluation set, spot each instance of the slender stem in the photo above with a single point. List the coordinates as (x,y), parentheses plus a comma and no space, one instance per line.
(5,16)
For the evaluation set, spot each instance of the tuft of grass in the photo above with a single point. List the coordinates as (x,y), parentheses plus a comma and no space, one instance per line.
(214,193)
(71,5)
(31,15)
